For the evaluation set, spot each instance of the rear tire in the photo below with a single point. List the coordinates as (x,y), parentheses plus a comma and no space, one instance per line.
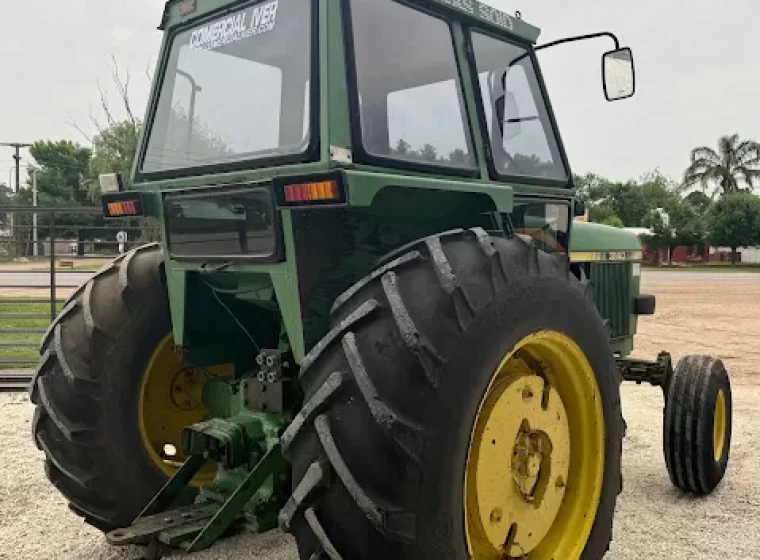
(380,449)
(697,427)
(86,389)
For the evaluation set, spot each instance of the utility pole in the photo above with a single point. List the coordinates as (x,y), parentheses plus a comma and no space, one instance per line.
(35,249)
(17,156)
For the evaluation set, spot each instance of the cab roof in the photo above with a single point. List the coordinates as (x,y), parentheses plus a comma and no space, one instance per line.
(178,12)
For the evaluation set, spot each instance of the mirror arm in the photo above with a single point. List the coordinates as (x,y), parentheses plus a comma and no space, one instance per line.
(569,40)
(580,38)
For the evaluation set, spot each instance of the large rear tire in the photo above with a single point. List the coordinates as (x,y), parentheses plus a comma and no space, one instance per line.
(87,388)
(407,412)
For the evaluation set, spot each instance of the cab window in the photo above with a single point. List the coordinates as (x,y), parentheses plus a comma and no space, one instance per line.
(411,106)
(547,223)
(520,130)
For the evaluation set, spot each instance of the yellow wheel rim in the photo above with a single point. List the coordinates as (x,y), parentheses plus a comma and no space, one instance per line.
(719,426)
(535,466)
(170,399)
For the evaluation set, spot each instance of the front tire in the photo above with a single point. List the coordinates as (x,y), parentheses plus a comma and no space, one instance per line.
(697,426)
(385,445)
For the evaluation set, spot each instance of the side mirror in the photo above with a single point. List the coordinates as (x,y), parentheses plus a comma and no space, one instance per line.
(512,127)
(506,115)
(618,74)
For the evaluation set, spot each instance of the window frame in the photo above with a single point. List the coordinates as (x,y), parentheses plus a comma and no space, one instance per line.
(493,171)
(361,155)
(309,154)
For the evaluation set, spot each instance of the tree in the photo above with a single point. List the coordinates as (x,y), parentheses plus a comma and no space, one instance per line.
(62,171)
(6,199)
(613,221)
(113,151)
(402,148)
(684,226)
(734,221)
(601,213)
(631,201)
(429,153)
(733,165)
(458,157)
(663,234)
(699,201)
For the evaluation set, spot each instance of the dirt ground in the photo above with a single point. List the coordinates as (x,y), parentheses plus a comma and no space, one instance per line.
(697,313)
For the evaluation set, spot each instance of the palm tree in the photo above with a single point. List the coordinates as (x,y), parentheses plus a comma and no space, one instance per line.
(735,163)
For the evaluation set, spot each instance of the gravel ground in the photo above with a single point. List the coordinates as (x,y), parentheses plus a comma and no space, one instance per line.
(698,313)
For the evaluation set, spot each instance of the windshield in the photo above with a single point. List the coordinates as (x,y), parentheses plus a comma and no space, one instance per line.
(235,88)
(522,137)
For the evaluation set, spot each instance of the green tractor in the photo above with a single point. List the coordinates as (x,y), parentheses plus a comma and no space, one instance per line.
(372,319)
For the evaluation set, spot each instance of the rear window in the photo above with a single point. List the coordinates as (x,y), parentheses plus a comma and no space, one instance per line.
(236,88)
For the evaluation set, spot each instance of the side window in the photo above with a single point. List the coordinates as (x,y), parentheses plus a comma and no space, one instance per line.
(411,106)
(547,223)
(522,137)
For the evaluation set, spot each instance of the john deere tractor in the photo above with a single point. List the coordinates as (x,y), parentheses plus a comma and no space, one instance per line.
(372,319)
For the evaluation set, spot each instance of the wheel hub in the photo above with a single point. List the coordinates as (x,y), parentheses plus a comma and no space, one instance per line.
(532,450)
(171,398)
(535,466)
(187,388)
(526,440)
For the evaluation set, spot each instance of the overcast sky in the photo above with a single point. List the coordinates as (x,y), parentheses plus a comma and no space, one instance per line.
(696,60)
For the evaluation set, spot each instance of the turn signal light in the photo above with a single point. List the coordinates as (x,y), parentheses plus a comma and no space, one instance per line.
(126,208)
(321,191)
(122,205)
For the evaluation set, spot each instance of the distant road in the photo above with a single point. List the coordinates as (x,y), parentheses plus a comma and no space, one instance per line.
(699,276)
(42,278)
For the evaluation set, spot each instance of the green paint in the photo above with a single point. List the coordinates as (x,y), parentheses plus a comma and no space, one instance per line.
(364,186)
(272,462)
(588,236)
(176,283)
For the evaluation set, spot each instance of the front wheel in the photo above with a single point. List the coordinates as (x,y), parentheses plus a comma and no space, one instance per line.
(697,427)
(465,405)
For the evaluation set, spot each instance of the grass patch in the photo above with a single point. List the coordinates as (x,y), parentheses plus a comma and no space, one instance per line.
(27,356)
